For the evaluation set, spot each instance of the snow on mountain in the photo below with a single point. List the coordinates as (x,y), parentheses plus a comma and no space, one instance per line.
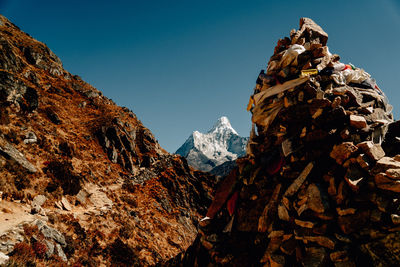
(205,151)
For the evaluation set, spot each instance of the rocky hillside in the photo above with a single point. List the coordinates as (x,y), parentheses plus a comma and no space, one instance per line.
(320,183)
(83,182)
(220,145)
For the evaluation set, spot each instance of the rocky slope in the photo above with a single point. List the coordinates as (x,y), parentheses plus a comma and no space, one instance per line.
(220,145)
(319,185)
(82,180)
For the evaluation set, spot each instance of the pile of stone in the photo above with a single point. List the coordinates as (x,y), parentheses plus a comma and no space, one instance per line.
(316,187)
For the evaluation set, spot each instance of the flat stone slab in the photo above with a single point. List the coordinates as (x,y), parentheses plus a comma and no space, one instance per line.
(10,152)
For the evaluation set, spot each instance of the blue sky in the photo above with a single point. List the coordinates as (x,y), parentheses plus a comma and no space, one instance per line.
(180,65)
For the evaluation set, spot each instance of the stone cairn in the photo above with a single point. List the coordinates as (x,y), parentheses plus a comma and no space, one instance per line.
(320,183)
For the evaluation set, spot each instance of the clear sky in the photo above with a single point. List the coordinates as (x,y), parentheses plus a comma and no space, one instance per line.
(180,65)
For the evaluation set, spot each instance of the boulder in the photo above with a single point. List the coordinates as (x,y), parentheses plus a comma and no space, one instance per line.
(37,203)
(358,122)
(30,138)
(50,232)
(10,152)
(374,151)
(66,204)
(61,253)
(50,248)
(310,28)
(342,152)
(82,196)
(3,258)
(386,163)
(382,181)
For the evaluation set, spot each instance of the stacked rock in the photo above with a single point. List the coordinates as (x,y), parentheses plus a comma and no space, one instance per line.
(316,188)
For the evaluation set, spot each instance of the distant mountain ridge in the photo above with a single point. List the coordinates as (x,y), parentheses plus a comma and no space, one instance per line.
(206,151)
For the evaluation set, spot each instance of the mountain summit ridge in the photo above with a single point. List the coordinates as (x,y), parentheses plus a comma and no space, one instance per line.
(205,151)
(222,122)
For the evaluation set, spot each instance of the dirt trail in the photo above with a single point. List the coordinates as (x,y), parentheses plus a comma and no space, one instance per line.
(13,214)
(97,201)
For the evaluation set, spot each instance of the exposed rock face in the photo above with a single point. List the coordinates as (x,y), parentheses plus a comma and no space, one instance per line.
(317,187)
(71,157)
(219,145)
(123,144)
(12,154)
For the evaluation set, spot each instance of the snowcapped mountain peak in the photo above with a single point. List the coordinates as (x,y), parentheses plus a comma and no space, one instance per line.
(224,124)
(196,133)
(204,151)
